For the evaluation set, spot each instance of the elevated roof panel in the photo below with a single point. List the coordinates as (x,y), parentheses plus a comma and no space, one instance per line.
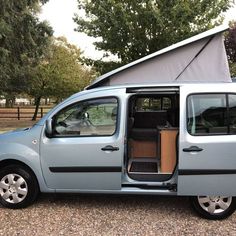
(185,42)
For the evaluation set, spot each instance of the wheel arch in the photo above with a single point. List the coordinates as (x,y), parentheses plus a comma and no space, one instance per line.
(39,179)
(8,162)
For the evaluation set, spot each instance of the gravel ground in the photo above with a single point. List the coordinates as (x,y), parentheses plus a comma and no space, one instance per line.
(110,215)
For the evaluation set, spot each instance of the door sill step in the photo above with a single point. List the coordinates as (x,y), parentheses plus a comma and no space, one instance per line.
(168,186)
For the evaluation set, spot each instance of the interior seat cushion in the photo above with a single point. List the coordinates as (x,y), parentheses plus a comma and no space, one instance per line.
(150,120)
(144,134)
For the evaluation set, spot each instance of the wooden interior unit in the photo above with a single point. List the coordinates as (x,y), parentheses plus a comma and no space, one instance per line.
(168,150)
(143,149)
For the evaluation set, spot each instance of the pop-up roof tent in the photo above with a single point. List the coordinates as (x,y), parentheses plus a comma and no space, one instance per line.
(201,58)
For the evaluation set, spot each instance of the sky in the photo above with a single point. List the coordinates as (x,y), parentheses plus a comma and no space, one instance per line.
(59,14)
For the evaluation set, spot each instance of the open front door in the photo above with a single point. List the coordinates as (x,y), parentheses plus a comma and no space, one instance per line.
(207,141)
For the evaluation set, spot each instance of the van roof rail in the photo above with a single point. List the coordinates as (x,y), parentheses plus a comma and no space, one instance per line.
(149,90)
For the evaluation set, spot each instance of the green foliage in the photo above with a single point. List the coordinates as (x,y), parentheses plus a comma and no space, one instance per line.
(59,73)
(23,40)
(101,66)
(230,45)
(232,67)
(135,28)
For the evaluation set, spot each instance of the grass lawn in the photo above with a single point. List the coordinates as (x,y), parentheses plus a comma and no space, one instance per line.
(7,125)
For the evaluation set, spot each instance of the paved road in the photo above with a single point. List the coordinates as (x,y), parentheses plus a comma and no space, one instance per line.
(110,215)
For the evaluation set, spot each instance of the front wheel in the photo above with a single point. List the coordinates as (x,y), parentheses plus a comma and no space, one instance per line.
(213,207)
(18,186)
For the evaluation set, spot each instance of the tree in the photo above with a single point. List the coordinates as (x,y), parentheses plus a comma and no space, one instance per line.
(133,29)
(59,73)
(230,45)
(23,40)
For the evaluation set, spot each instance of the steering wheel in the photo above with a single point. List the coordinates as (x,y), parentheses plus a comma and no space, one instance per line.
(62,123)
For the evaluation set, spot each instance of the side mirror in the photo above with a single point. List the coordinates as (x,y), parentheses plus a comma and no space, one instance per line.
(48,128)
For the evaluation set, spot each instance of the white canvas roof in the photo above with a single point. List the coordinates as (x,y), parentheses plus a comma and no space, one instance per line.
(201,58)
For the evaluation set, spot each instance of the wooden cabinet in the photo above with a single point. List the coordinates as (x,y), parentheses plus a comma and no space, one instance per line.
(143,149)
(168,149)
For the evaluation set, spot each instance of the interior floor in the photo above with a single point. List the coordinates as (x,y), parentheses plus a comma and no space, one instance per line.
(143,165)
(152,138)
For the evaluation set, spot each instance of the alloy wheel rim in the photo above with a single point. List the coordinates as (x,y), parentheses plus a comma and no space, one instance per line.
(214,204)
(13,188)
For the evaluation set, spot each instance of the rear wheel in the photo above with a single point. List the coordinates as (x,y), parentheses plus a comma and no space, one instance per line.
(213,207)
(18,186)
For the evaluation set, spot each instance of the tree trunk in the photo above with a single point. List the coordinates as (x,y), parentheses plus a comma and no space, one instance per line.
(10,101)
(13,101)
(7,104)
(37,104)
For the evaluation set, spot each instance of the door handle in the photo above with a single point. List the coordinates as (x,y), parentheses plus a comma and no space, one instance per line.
(193,149)
(110,148)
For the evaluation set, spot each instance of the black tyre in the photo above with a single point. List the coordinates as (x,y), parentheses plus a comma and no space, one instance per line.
(18,187)
(215,207)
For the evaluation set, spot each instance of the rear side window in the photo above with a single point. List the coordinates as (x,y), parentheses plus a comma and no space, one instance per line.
(232,113)
(211,114)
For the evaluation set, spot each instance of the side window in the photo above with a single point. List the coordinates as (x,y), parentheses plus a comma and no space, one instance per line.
(232,113)
(148,104)
(207,114)
(153,104)
(89,118)
(166,103)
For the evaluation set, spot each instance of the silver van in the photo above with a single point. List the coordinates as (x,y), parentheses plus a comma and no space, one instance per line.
(158,139)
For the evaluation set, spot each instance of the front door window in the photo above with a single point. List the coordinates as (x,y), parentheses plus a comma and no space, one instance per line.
(88,118)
